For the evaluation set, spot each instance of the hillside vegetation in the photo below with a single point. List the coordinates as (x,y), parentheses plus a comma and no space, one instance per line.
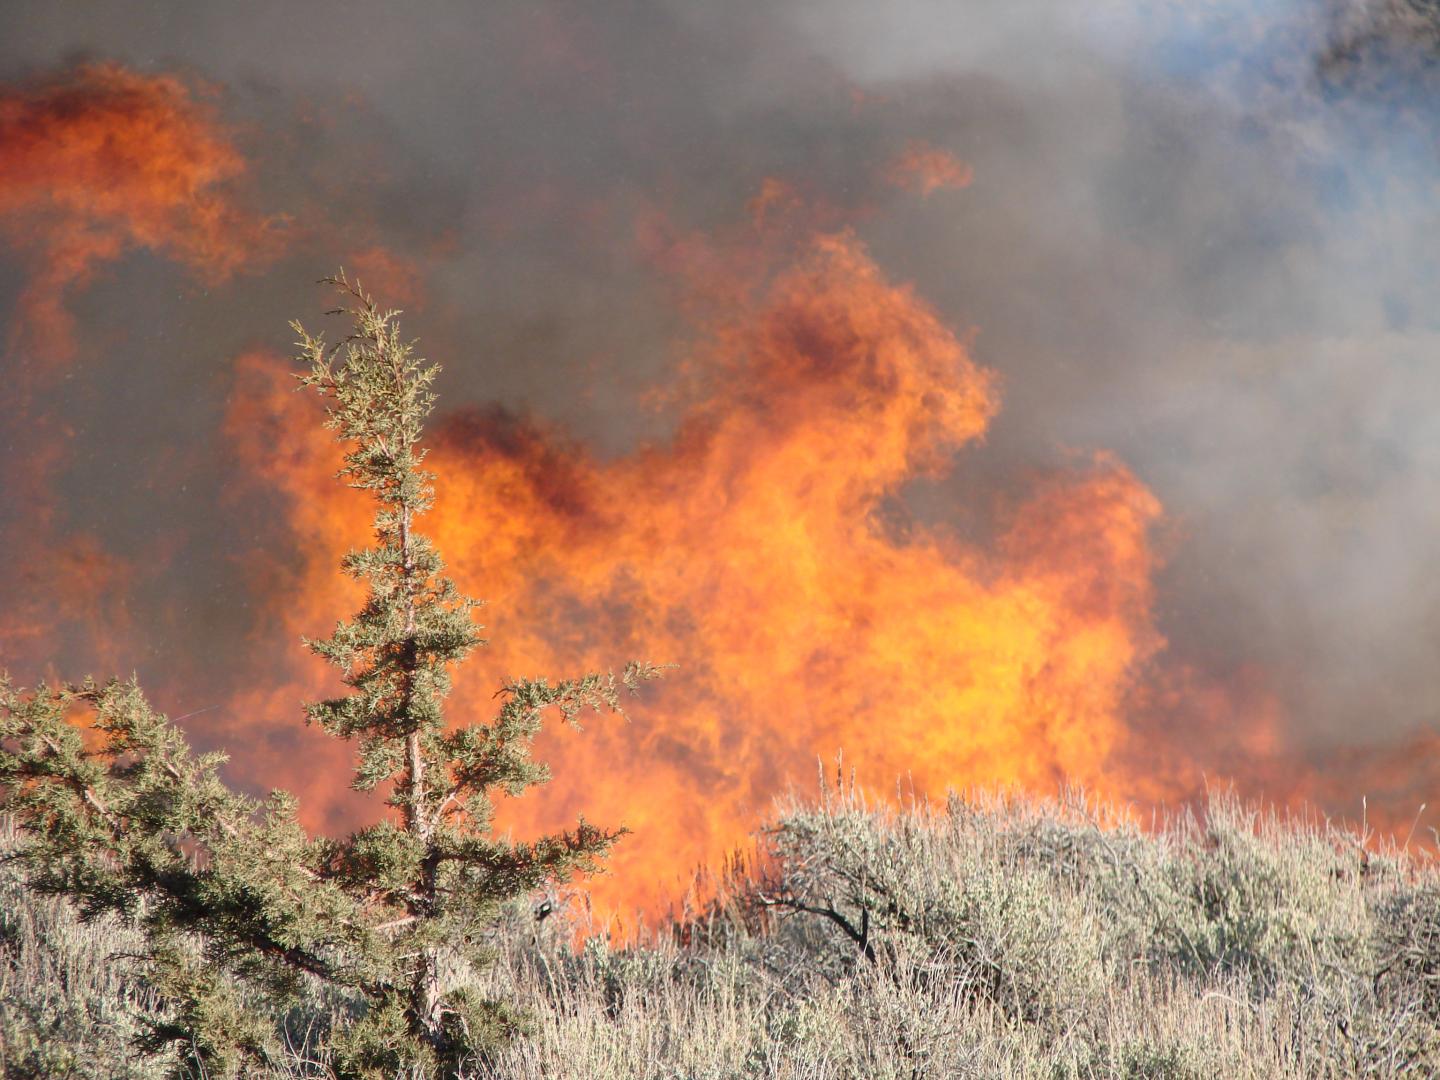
(991,937)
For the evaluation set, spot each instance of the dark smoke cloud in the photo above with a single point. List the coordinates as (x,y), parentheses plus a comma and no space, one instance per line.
(1200,235)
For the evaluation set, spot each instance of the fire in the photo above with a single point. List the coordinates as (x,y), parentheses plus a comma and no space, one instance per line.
(95,162)
(100,161)
(88,584)
(756,549)
(928,169)
(749,551)
(387,273)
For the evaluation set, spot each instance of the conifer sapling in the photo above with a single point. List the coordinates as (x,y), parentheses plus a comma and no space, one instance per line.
(238,904)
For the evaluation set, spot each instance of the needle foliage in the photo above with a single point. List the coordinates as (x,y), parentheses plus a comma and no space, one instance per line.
(241,911)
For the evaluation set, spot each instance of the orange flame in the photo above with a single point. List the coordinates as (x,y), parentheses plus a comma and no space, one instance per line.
(756,549)
(95,162)
(749,551)
(72,600)
(102,160)
(389,274)
(928,169)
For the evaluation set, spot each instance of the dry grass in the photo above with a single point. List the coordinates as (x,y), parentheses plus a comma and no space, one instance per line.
(992,937)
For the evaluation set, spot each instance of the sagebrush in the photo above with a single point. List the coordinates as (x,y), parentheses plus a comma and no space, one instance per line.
(1008,937)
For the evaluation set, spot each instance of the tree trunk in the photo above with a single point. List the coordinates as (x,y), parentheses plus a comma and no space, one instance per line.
(427,1013)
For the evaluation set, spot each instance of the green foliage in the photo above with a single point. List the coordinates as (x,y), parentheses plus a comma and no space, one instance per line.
(754,990)
(239,912)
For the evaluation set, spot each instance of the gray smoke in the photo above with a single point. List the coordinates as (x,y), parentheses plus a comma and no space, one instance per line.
(1200,235)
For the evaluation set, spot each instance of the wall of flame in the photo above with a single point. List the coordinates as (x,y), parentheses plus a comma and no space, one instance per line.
(756,547)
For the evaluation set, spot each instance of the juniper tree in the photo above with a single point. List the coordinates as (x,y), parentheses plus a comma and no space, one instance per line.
(239,906)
